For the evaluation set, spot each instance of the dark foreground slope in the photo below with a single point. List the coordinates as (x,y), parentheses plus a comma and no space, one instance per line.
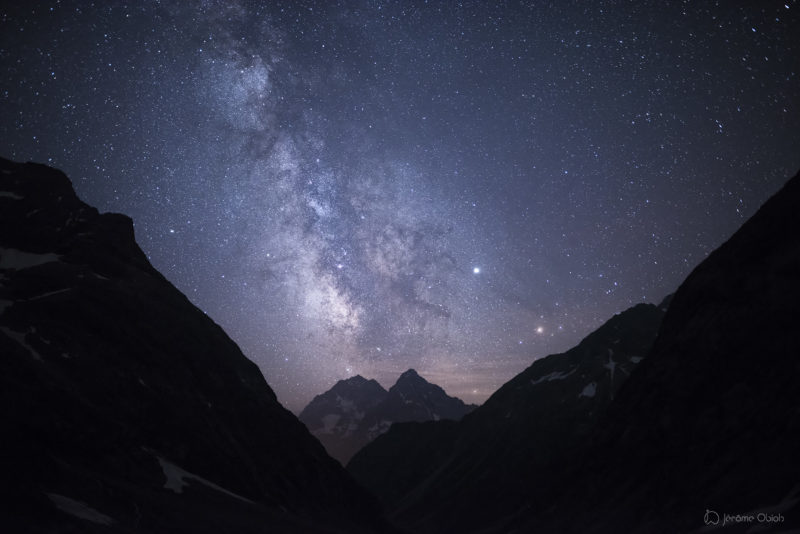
(123,408)
(472,475)
(710,422)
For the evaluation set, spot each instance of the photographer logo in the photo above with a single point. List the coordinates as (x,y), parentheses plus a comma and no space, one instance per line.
(711,517)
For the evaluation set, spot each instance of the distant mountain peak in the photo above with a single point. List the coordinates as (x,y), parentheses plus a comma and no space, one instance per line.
(409,373)
(355,378)
(356,382)
(356,410)
(411,378)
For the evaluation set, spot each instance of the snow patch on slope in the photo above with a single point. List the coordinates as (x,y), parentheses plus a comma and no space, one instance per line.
(378,429)
(556,375)
(19,337)
(589,391)
(346,405)
(11,258)
(79,509)
(329,423)
(50,294)
(177,479)
(611,365)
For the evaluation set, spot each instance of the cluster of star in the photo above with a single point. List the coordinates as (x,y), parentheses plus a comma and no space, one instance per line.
(363,187)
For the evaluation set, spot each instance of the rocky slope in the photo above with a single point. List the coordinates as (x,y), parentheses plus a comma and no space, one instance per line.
(356,411)
(123,407)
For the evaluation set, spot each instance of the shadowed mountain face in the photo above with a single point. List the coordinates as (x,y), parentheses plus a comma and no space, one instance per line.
(711,419)
(355,411)
(335,417)
(126,409)
(484,465)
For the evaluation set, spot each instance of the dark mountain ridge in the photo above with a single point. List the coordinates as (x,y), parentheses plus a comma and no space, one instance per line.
(710,423)
(124,408)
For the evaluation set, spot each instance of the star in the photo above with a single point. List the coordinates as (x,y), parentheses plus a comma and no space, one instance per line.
(476,270)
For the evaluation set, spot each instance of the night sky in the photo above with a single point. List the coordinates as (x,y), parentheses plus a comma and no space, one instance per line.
(363,187)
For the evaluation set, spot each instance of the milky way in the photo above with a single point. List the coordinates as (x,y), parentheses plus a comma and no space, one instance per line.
(363,187)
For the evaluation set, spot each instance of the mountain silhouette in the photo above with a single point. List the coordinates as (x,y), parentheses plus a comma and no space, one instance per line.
(709,421)
(127,409)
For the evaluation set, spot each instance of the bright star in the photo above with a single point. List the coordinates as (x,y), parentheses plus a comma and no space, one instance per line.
(476,270)
(539,329)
